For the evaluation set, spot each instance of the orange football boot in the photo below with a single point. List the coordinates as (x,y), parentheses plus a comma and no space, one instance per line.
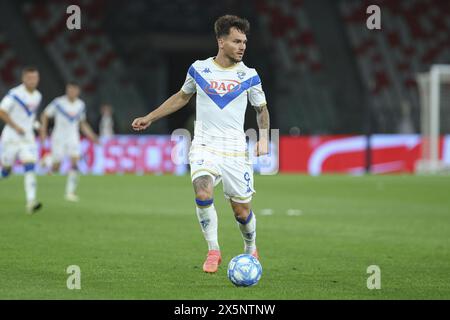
(255,254)
(212,262)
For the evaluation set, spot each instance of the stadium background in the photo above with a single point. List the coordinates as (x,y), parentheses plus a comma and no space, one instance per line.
(331,85)
(324,71)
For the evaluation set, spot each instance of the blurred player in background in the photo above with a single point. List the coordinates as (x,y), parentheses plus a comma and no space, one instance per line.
(106,121)
(18,110)
(69,113)
(224,85)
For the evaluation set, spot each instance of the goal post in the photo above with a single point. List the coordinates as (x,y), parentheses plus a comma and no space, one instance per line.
(434,92)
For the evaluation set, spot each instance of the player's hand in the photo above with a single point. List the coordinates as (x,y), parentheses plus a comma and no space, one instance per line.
(261,148)
(19,130)
(141,123)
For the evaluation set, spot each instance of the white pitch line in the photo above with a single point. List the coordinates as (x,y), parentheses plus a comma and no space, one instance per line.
(266,212)
(294,212)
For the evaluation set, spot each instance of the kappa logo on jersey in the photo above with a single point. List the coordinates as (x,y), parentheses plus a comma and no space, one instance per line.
(222,86)
(206,70)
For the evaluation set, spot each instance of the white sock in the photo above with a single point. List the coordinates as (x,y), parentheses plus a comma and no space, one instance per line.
(72,182)
(30,186)
(248,231)
(207,217)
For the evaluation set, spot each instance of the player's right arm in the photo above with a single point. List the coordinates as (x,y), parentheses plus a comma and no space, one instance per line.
(171,105)
(46,114)
(5,106)
(44,126)
(7,119)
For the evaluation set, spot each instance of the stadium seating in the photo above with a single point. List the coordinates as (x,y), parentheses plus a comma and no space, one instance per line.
(300,66)
(85,55)
(414,36)
(9,66)
(293,37)
(78,54)
(175,16)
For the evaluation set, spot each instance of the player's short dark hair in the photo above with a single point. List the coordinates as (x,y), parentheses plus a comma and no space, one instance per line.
(28,69)
(223,25)
(73,83)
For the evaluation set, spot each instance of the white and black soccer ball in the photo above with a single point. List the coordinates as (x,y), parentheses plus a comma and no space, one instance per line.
(244,270)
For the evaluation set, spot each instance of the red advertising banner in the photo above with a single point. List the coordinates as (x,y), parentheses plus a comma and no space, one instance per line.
(312,155)
(347,154)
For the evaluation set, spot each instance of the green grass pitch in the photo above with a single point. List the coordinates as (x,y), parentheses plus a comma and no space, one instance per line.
(137,237)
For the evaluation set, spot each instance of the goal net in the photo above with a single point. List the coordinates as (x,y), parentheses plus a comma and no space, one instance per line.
(434,92)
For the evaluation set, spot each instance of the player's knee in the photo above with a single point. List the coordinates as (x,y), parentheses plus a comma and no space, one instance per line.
(203,198)
(29,167)
(6,172)
(203,194)
(241,213)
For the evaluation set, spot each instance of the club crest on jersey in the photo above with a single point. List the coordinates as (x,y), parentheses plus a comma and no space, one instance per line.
(241,74)
(222,86)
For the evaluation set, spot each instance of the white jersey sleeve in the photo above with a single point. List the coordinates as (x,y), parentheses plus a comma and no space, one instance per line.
(189,85)
(83,113)
(50,110)
(7,103)
(256,94)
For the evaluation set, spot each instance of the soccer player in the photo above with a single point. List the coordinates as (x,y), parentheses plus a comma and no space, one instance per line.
(218,152)
(69,113)
(18,110)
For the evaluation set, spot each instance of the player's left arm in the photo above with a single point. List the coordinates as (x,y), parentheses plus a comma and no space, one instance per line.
(88,132)
(263,120)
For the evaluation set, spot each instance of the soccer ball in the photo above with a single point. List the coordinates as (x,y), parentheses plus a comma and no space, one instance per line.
(244,270)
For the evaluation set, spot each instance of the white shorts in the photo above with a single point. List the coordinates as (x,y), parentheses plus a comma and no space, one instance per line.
(233,169)
(62,148)
(25,151)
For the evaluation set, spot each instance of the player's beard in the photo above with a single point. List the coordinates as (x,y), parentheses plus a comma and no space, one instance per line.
(234,60)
